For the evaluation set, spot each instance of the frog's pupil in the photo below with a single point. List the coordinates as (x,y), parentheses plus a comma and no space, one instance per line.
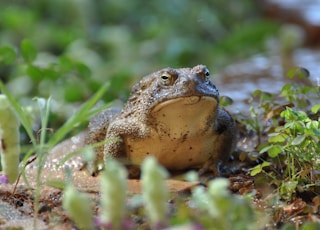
(164,77)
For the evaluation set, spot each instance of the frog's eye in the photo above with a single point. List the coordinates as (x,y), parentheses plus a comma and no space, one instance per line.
(167,78)
(206,72)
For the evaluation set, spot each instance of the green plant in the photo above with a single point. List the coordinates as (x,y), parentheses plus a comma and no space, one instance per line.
(9,140)
(219,209)
(155,192)
(41,148)
(77,205)
(113,195)
(295,147)
(263,109)
(301,95)
(292,135)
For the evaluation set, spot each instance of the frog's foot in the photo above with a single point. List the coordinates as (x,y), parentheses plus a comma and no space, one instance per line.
(210,166)
(134,171)
(92,169)
(216,169)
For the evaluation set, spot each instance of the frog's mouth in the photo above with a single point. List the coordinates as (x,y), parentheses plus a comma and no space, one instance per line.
(184,116)
(192,100)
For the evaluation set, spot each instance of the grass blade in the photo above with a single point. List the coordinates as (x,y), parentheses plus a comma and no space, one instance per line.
(82,114)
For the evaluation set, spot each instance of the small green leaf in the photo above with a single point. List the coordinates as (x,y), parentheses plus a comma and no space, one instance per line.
(291,73)
(7,54)
(277,137)
(83,70)
(256,93)
(265,164)
(265,149)
(301,115)
(225,101)
(307,89)
(298,139)
(66,64)
(315,108)
(286,89)
(51,74)
(35,73)
(258,168)
(303,73)
(292,115)
(28,51)
(266,96)
(298,72)
(275,150)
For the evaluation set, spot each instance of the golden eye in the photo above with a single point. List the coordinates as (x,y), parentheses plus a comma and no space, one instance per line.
(166,79)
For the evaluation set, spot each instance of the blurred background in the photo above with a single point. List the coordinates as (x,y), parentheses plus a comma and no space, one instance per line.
(67,49)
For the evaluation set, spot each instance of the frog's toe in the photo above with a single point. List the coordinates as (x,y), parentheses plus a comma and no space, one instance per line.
(215,169)
(134,171)
(210,167)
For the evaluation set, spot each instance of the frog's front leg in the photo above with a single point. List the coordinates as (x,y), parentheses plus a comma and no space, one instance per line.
(223,146)
(97,129)
(115,146)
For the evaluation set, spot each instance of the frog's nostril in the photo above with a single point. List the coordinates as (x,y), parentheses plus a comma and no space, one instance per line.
(184,82)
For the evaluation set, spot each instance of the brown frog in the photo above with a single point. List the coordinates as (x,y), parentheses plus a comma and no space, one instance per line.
(172,114)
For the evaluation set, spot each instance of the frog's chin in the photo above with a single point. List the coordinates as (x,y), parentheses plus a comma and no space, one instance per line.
(184,116)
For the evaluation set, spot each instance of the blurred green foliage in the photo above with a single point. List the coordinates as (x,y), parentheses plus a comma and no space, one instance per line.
(67,49)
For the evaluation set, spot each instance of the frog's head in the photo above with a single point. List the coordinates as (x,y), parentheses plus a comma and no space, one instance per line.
(167,84)
(189,84)
(185,93)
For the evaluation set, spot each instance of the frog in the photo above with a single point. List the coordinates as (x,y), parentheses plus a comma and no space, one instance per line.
(173,115)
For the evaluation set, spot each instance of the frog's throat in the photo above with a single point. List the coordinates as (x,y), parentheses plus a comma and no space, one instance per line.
(186,115)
